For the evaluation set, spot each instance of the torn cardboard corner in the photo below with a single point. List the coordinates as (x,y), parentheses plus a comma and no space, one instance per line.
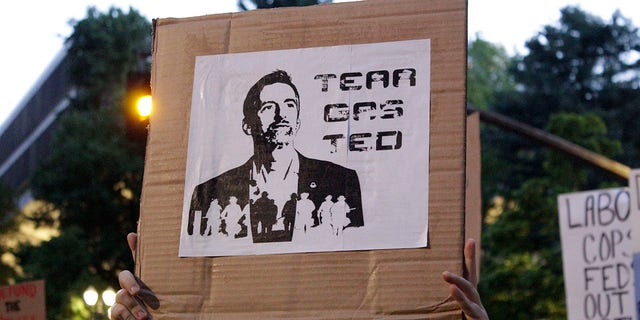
(358,284)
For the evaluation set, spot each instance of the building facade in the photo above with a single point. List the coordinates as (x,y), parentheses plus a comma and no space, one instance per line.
(26,135)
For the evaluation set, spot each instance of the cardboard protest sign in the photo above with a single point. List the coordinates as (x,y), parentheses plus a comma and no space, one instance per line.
(324,277)
(23,301)
(595,228)
(297,150)
(634,194)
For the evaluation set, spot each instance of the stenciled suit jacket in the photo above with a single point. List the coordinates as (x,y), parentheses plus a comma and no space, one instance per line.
(318,178)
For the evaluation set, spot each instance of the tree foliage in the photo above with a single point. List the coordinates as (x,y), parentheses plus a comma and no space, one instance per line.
(96,189)
(583,64)
(8,226)
(105,49)
(579,81)
(64,264)
(487,73)
(92,179)
(488,77)
(522,267)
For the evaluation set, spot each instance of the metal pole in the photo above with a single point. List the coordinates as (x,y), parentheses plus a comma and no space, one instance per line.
(554,142)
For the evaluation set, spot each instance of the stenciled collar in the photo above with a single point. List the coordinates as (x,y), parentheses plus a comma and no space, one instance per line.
(282,172)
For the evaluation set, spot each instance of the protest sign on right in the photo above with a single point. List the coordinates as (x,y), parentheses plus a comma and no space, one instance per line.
(634,195)
(595,228)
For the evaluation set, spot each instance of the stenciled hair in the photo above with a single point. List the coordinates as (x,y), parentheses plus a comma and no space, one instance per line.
(252,101)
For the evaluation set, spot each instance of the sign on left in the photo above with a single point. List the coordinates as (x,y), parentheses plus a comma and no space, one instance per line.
(23,301)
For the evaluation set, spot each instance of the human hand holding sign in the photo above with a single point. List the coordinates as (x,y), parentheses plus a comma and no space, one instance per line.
(131,299)
(134,297)
(463,289)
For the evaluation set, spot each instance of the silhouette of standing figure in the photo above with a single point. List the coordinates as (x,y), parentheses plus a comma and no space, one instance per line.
(339,212)
(232,214)
(304,210)
(258,214)
(289,213)
(213,218)
(325,208)
(270,217)
(264,214)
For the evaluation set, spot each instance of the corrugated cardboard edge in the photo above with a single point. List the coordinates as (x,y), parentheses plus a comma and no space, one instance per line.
(473,196)
(389,284)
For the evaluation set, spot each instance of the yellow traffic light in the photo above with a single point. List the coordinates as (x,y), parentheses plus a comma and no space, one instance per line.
(144,106)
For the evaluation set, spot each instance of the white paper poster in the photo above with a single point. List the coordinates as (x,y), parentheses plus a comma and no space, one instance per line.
(634,194)
(595,228)
(308,150)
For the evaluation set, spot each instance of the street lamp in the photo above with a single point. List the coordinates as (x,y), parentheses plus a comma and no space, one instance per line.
(109,298)
(91,296)
(144,106)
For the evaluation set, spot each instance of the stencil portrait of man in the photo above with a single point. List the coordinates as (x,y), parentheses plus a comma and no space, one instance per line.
(276,170)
